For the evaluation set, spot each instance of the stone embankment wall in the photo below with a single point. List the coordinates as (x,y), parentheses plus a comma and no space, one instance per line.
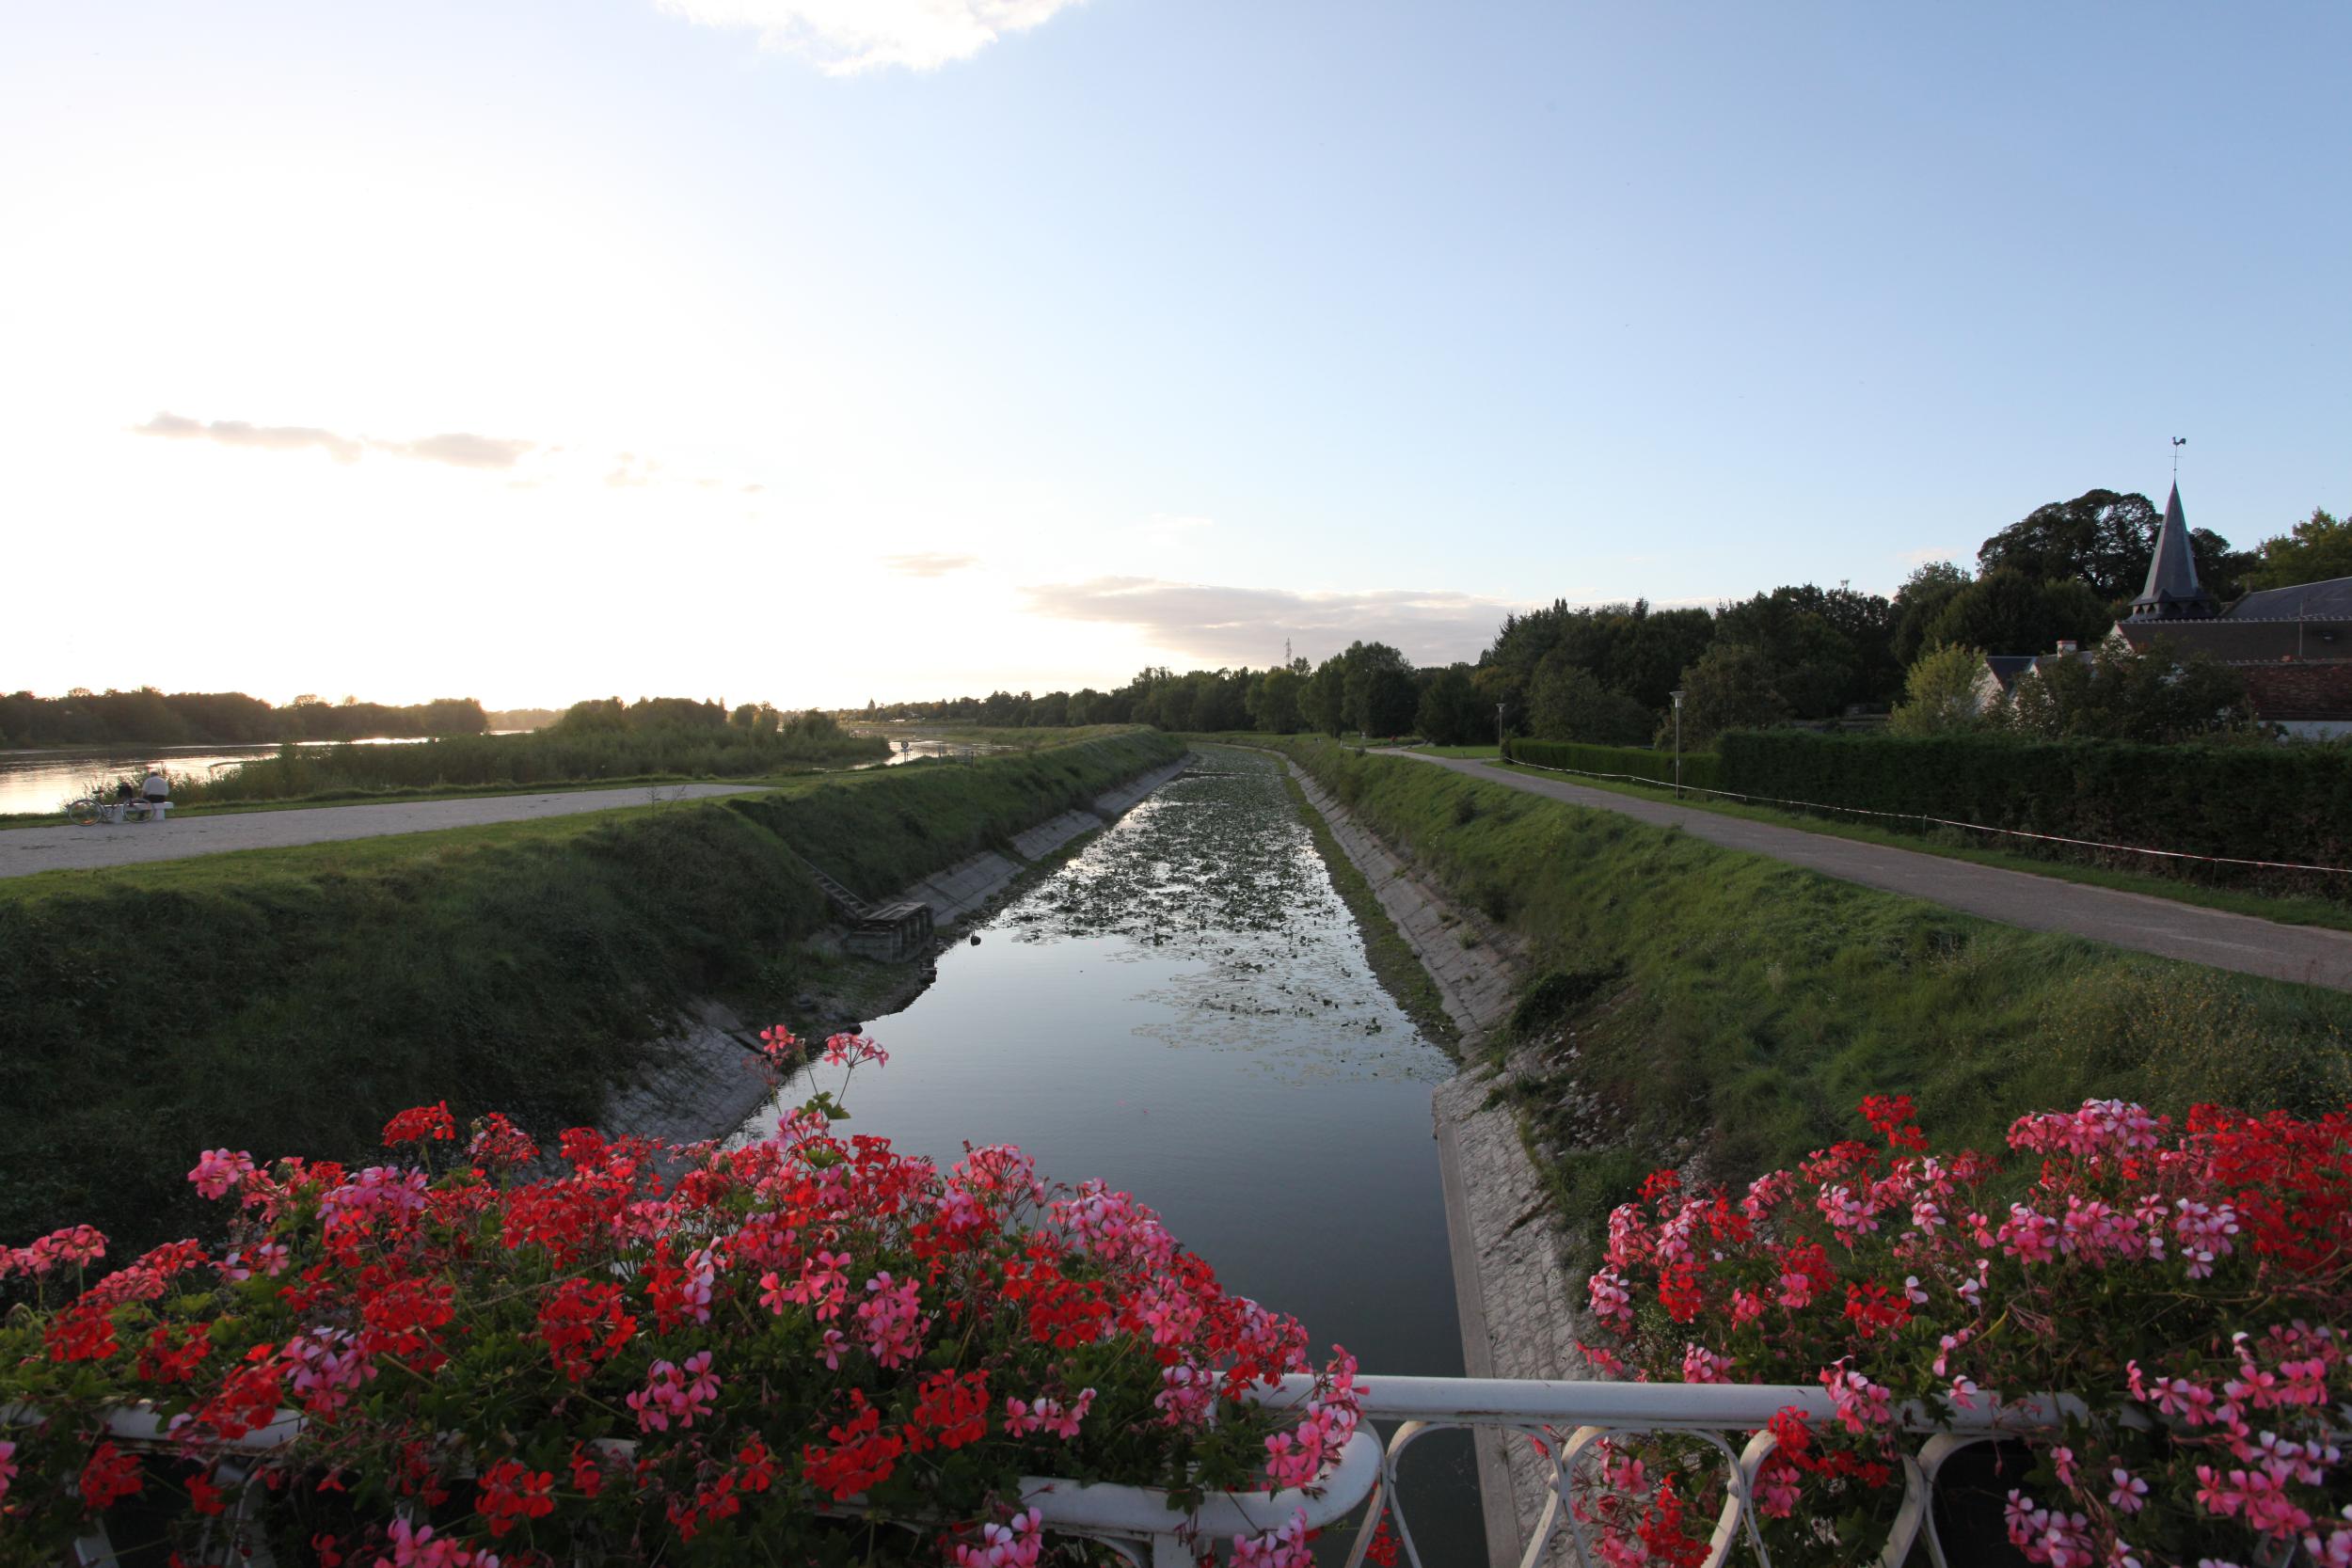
(705,1079)
(1509,1276)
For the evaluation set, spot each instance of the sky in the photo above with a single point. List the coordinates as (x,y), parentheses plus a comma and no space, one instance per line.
(814,351)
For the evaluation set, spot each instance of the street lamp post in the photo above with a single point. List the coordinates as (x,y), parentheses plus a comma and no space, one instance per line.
(1677,697)
(1498,756)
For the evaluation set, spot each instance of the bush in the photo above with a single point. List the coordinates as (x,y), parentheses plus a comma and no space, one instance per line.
(2187,1284)
(1700,769)
(2253,802)
(624,1361)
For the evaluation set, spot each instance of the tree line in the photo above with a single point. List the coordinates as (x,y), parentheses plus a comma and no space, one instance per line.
(150,717)
(1605,674)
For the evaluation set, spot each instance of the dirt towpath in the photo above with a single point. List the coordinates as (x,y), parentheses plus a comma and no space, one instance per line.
(26,850)
(2307,954)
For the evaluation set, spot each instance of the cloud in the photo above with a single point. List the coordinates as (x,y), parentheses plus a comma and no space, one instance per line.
(459,449)
(236,433)
(929,565)
(843,37)
(456,448)
(1248,625)
(524,463)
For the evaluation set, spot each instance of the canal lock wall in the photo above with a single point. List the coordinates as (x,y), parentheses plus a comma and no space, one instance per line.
(1510,1274)
(705,1078)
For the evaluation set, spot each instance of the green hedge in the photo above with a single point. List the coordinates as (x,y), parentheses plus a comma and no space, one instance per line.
(1700,769)
(2254,802)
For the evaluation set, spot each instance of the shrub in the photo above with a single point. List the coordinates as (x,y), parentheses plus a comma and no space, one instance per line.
(1700,769)
(2254,802)
(2184,1283)
(628,1361)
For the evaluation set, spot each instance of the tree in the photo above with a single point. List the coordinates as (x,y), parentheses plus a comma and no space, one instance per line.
(1730,687)
(2156,695)
(1940,695)
(1917,602)
(2319,547)
(1566,703)
(1826,648)
(1629,648)
(1323,701)
(1379,691)
(1273,701)
(2005,611)
(1451,712)
(2104,541)
(595,716)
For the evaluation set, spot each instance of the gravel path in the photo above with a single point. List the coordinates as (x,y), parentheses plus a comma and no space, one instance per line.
(2307,954)
(26,850)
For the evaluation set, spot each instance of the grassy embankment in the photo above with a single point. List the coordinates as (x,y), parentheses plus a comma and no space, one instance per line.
(291,1000)
(1698,1000)
(539,757)
(2294,909)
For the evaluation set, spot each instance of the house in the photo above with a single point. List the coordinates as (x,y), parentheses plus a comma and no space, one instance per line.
(2293,646)
(1997,680)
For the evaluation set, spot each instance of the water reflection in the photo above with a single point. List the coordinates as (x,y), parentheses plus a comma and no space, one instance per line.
(1185,1012)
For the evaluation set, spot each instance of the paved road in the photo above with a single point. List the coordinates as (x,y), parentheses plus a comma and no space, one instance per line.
(2158,926)
(24,850)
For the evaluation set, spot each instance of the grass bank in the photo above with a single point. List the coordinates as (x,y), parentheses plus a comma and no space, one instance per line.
(291,999)
(1700,1001)
(2294,909)
(538,757)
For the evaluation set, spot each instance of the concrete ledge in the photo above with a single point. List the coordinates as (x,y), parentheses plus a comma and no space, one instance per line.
(1510,1279)
(1046,838)
(702,1081)
(1112,803)
(963,886)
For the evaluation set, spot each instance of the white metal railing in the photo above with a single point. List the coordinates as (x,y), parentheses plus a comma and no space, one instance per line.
(1568,1419)
(1565,1418)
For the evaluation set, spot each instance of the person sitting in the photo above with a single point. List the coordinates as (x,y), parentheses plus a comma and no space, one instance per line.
(157,789)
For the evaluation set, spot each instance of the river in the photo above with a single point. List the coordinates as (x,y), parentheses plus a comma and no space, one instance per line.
(45,781)
(1185,1010)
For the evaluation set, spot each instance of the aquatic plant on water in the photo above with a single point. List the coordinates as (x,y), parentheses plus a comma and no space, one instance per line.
(2189,1285)
(642,1354)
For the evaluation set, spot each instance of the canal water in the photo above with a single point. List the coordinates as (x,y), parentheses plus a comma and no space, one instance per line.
(1185,1010)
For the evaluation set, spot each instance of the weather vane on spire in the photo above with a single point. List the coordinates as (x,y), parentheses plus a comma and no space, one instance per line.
(2178,442)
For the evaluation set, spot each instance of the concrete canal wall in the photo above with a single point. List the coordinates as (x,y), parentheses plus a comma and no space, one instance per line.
(1510,1276)
(705,1079)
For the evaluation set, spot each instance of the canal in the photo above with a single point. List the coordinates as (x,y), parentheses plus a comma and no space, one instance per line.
(1185,1010)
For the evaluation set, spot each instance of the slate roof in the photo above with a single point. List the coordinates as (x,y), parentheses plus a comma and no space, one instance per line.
(2006,668)
(2328,600)
(2173,592)
(2236,642)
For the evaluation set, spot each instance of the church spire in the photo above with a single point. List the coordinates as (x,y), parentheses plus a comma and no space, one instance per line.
(2173,592)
